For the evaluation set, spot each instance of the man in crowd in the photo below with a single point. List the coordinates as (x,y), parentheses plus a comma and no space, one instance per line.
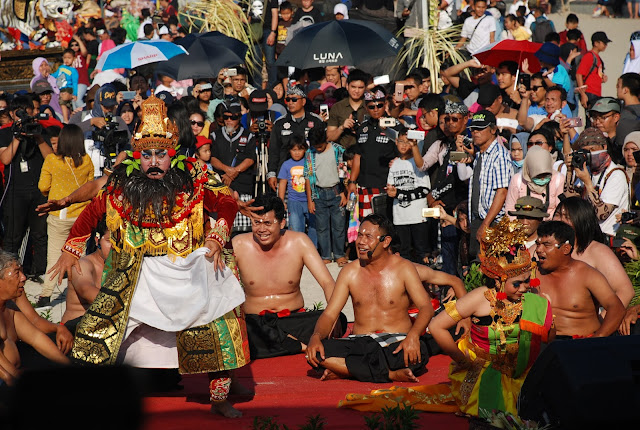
(590,74)
(490,98)
(479,29)
(466,89)
(277,323)
(574,309)
(15,325)
(628,92)
(488,178)
(506,76)
(296,122)
(530,211)
(385,345)
(347,114)
(555,101)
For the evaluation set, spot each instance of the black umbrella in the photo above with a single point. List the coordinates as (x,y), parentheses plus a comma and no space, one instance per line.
(208,53)
(338,43)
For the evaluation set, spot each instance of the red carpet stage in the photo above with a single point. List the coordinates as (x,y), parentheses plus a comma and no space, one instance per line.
(286,390)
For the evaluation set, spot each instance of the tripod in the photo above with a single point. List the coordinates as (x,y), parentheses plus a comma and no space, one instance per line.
(262,158)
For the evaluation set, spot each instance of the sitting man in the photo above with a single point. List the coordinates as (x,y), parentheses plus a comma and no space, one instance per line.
(84,285)
(385,345)
(573,287)
(15,326)
(270,261)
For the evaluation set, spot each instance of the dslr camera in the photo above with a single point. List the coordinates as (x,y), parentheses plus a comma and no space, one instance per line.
(579,157)
(109,140)
(28,126)
(626,217)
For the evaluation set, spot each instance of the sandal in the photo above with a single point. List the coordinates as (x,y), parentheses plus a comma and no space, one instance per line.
(342,261)
(327,261)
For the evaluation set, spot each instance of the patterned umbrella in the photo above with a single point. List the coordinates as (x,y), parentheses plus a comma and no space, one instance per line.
(134,54)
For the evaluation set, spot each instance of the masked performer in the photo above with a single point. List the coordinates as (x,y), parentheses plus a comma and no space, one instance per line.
(493,359)
(168,298)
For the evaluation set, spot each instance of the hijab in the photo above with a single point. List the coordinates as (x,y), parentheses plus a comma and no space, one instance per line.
(537,162)
(35,65)
(632,65)
(522,138)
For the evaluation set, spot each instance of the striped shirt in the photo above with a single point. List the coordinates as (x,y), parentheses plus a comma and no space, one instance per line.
(496,173)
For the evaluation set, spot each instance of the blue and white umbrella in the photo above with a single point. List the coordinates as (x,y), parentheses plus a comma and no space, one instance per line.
(133,54)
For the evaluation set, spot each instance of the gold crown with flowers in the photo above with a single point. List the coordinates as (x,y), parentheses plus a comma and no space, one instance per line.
(155,130)
(503,253)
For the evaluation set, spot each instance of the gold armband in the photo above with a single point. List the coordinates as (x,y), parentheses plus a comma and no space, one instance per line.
(452,311)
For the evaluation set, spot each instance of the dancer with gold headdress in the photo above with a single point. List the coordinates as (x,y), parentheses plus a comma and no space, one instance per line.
(169,297)
(493,359)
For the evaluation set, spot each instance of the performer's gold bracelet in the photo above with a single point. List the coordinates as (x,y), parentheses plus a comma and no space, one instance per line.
(452,311)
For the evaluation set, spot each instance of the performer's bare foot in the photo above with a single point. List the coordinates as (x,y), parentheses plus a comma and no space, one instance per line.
(328,375)
(402,375)
(225,409)
(237,389)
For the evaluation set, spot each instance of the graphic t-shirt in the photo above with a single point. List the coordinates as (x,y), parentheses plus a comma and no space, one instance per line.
(413,186)
(293,172)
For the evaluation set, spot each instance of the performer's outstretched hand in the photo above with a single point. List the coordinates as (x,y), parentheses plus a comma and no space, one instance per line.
(52,205)
(215,252)
(65,263)
(245,208)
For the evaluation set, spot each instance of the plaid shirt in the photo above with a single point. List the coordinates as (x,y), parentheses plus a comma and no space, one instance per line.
(496,173)
(310,165)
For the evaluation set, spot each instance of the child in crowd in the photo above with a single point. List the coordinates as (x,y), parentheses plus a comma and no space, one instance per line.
(67,80)
(409,187)
(51,135)
(354,223)
(308,12)
(325,194)
(285,21)
(291,179)
(203,151)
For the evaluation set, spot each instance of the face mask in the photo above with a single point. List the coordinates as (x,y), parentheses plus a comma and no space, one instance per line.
(541,181)
(559,145)
(518,164)
(599,160)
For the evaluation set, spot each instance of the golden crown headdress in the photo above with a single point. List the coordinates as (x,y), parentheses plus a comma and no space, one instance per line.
(155,130)
(503,253)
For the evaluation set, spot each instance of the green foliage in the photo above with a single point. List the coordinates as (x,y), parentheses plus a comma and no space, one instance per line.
(508,421)
(318,306)
(400,417)
(314,422)
(475,278)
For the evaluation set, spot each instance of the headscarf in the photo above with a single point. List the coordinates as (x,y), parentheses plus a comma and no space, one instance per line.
(537,162)
(35,64)
(128,103)
(633,65)
(522,138)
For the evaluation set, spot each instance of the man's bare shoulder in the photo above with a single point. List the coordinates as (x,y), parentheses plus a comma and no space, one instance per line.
(295,237)
(598,254)
(241,239)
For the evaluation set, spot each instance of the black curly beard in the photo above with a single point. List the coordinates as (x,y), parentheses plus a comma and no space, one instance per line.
(141,192)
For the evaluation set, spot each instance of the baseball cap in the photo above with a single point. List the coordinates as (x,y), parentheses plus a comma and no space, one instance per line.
(163,30)
(482,119)
(600,36)
(232,106)
(606,104)
(41,86)
(549,53)
(487,94)
(166,97)
(631,232)
(530,207)
(258,101)
(201,141)
(106,95)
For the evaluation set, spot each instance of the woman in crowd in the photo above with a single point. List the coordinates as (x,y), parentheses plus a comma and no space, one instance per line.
(630,146)
(199,123)
(61,174)
(518,150)
(127,112)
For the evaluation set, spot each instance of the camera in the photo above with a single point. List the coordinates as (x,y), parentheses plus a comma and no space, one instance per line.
(109,140)
(579,157)
(262,126)
(625,217)
(28,126)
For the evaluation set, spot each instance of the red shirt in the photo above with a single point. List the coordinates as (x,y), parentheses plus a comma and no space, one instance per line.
(582,45)
(82,66)
(594,79)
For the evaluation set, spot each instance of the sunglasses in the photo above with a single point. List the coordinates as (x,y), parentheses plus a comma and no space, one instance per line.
(408,87)
(373,106)
(536,87)
(524,207)
(74,45)
(452,119)
(536,142)
(292,99)
(198,123)
(231,116)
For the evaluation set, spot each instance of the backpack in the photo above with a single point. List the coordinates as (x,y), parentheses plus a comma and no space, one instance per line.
(541,30)
(576,62)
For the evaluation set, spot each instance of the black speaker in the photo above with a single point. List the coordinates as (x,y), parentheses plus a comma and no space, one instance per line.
(584,383)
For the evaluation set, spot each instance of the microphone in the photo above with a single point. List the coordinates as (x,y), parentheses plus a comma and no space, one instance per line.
(380,240)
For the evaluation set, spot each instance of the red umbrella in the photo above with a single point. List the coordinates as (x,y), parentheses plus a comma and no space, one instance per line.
(510,50)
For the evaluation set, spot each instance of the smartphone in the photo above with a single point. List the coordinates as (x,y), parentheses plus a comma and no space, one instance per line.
(584,87)
(525,79)
(231,72)
(387,122)
(128,95)
(575,122)
(457,155)
(507,122)
(398,93)
(415,135)
(205,87)
(381,80)
(431,212)
(324,109)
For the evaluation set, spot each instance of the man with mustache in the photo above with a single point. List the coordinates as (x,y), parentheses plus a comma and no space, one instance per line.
(170,223)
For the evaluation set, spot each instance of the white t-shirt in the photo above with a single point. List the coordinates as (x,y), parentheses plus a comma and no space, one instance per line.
(405,176)
(481,36)
(614,192)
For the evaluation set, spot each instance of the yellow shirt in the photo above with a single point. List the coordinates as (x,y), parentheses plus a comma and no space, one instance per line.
(59,178)
(521,33)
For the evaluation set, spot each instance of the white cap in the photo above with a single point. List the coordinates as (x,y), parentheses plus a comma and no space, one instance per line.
(341,8)
(163,30)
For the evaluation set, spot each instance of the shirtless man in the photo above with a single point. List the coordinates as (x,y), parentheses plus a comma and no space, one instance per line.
(573,287)
(85,286)
(385,345)
(270,260)
(15,326)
